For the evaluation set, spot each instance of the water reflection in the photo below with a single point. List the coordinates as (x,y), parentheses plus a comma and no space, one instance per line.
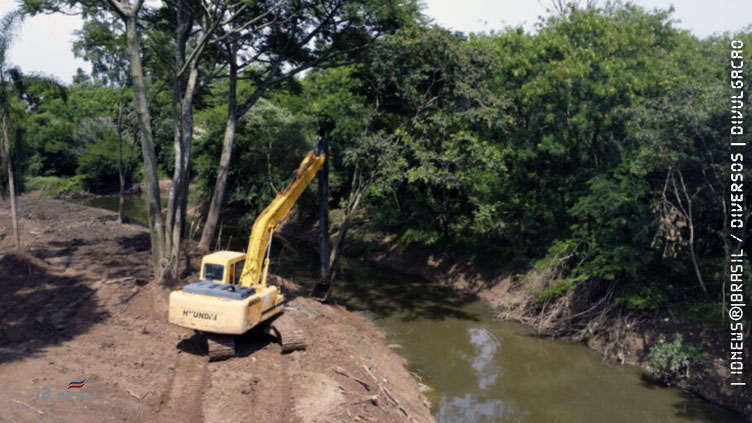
(484,361)
(472,409)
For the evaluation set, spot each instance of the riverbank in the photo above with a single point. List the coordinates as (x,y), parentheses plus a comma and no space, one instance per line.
(79,305)
(618,336)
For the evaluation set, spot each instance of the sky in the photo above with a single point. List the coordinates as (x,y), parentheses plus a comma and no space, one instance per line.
(44,42)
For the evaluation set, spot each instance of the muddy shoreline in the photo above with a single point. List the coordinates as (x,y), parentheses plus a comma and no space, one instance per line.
(79,304)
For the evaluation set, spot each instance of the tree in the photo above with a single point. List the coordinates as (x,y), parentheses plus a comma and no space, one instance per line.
(7,33)
(128,13)
(277,40)
(164,260)
(406,126)
(102,42)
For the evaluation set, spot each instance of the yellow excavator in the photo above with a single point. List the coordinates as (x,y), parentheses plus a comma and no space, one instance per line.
(232,295)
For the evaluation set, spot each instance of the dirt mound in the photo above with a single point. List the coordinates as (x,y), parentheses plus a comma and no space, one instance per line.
(79,305)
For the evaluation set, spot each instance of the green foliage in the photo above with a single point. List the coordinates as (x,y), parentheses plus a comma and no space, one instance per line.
(98,165)
(421,237)
(579,146)
(269,144)
(646,297)
(701,312)
(54,186)
(555,289)
(672,360)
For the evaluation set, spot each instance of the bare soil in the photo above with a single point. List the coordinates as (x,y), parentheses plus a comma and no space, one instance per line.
(78,304)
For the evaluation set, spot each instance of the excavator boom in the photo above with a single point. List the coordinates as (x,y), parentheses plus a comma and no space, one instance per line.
(269,219)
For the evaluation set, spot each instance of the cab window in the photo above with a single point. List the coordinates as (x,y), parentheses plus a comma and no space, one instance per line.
(213,271)
(238,270)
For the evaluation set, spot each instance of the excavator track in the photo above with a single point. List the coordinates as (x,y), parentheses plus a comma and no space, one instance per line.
(290,336)
(221,347)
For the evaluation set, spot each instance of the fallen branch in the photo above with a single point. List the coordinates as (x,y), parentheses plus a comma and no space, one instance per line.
(373,399)
(369,372)
(41,413)
(341,371)
(125,279)
(388,393)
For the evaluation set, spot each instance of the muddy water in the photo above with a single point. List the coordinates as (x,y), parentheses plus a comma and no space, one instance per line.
(482,370)
(135,206)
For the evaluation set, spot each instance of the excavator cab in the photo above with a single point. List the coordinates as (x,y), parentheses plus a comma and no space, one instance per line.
(222,267)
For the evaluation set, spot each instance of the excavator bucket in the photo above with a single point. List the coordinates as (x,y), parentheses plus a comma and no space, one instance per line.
(321,291)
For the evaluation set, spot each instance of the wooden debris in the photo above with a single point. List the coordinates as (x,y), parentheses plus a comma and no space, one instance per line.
(119,280)
(341,371)
(388,393)
(344,391)
(373,399)
(369,372)
(41,413)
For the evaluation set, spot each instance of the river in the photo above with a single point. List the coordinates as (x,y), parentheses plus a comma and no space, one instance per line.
(483,370)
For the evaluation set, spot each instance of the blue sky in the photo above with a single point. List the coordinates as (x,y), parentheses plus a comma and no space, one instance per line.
(44,42)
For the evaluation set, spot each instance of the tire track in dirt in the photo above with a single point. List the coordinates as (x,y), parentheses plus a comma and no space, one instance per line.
(184,393)
(286,390)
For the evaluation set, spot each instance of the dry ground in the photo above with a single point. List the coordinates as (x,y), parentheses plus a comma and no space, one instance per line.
(78,304)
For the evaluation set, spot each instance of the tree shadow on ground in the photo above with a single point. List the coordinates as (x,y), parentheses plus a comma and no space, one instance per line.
(39,308)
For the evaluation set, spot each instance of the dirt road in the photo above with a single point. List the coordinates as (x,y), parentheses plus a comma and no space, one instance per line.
(77,305)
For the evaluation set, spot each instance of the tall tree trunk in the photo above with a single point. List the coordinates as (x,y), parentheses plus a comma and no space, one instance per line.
(121,173)
(323,180)
(11,180)
(356,194)
(220,186)
(215,206)
(182,106)
(690,220)
(156,226)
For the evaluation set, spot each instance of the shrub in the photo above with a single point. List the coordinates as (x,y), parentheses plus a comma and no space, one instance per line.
(54,186)
(98,165)
(671,360)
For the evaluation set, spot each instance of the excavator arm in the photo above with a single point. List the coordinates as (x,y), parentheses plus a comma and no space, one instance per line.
(255,267)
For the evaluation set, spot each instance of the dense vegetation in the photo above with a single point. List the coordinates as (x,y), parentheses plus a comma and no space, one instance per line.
(595,147)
